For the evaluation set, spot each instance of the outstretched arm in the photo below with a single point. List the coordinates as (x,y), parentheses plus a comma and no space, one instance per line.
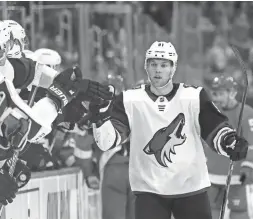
(111,128)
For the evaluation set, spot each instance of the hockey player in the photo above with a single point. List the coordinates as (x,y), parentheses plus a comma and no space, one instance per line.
(165,123)
(20,40)
(46,57)
(223,90)
(65,86)
(38,156)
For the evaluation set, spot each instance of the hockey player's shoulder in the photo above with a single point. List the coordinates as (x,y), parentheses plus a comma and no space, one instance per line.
(134,93)
(189,87)
(136,89)
(190,90)
(24,70)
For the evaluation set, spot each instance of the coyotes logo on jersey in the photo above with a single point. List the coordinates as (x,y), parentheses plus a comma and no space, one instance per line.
(165,139)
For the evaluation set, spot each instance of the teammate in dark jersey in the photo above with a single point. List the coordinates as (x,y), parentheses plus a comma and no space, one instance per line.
(166,123)
(223,90)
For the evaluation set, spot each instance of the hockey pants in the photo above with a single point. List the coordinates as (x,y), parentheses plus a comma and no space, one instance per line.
(152,206)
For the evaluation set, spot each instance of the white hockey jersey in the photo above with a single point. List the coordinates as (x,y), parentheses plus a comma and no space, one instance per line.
(166,132)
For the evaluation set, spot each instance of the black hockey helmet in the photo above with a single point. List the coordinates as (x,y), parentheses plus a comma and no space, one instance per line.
(223,82)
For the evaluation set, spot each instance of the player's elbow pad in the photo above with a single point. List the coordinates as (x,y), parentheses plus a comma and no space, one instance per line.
(106,136)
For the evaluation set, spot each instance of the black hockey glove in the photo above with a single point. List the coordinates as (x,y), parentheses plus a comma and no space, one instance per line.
(69,83)
(13,130)
(99,111)
(65,86)
(22,173)
(8,187)
(235,146)
(71,114)
(75,110)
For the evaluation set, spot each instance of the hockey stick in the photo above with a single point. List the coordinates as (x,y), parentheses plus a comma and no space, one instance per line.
(238,131)
(23,141)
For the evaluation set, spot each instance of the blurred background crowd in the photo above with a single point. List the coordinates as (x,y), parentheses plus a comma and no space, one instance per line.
(109,39)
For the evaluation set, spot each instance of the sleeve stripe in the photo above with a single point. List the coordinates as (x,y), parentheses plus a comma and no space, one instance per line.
(218,138)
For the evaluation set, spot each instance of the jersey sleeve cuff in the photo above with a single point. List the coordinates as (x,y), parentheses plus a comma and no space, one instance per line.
(218,139)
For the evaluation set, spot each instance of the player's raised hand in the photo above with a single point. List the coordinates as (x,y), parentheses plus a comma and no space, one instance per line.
(99,110)
(69,83)
(92,90)
(65,86)
(235,146)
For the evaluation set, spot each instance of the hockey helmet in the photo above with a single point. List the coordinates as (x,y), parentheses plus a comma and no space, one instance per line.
(223,82)
(5,41)
(48,57)
(162,50)
(19,35)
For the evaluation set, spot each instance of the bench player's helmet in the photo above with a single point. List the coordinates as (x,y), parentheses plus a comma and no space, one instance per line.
(19,37)
(48,57)
(223,89)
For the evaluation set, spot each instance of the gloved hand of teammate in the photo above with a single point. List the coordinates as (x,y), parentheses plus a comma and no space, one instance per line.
(13,130)
(69,83)
(22,173)
(100,110)
(235,146)
(72,113)
(92,90)
(65,86)
(8,187)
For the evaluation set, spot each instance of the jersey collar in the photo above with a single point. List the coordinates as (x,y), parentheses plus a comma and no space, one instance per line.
(169,96)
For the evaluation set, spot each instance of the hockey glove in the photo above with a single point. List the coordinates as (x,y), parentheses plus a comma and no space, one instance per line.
(13,130)
(235,146)
(69,83)
(71,114)
(92,90)
(65,86)
(75,110)
(8,187)
(100,110)
(22,173)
